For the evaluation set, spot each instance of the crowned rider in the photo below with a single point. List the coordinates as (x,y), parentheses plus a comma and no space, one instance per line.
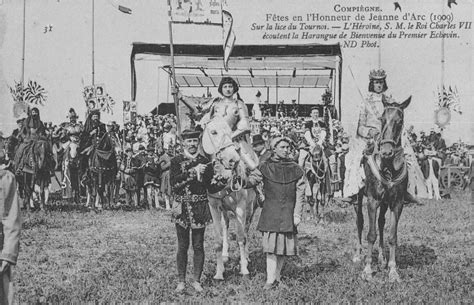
(368,130)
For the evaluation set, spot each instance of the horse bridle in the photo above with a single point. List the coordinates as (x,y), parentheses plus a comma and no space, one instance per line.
(394,142)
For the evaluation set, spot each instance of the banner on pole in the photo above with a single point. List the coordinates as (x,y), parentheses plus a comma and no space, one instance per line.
(196,11)
(129,112)
(228,35)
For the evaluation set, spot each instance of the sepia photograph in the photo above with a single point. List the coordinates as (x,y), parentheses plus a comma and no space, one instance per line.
(266,151)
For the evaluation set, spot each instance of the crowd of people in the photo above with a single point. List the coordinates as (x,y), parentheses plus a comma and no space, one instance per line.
(169,169)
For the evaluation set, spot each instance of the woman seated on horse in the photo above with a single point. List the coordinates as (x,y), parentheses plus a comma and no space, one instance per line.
(233,111)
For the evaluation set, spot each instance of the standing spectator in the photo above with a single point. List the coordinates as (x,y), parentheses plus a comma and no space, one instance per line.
(169,139)
(165,162)
(283,184)
(192,212)
(128,169)
(11,227)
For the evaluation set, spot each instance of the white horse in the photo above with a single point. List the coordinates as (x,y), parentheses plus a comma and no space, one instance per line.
(234,199)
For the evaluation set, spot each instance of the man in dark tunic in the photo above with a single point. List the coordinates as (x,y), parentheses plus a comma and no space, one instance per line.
(191,212)
(283,185)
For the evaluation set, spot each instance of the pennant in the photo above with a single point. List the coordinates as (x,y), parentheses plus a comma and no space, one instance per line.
(125,10)
(228,36)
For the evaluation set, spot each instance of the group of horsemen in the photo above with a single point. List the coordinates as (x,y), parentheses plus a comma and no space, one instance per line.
(218,159)
(25,140)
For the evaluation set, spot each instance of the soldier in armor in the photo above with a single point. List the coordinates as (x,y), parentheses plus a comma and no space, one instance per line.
(73,128)
(234,111)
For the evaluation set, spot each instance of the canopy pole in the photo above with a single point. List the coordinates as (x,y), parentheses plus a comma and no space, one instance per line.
(93,43)
(174,90)
(158,90)
(276,95)
(23,49)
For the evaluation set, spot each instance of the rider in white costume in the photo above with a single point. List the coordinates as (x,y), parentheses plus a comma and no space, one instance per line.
(369,128)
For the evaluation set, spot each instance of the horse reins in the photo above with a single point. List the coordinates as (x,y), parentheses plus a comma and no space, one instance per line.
(389,182)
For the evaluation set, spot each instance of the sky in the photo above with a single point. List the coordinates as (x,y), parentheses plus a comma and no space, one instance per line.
(61,61)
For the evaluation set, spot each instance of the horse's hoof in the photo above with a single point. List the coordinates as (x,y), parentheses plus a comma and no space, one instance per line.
(394,277)
(367,277)
(356,259)
(246,276)
(219,277)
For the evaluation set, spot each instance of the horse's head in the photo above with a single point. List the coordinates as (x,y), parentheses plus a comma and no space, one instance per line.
(229,156)
(392,127)
(73,149)
(317,153)
(216,136)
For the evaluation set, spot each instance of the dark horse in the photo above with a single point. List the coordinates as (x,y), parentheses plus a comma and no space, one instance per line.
(385,187)
(33,165)
(317,174)
(101,171)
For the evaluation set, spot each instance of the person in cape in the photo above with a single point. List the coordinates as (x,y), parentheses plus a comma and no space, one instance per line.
(94,130)
(367,132)
(32,131)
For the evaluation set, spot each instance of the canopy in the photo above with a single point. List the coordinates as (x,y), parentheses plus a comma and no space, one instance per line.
(280,66)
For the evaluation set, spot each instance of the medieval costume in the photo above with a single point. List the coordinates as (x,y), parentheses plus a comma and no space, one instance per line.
(11,227)
(93,132)
(192,212)
(34,144)
(369,126)
(229,112)
(128,171)
(283,185)
(233,111)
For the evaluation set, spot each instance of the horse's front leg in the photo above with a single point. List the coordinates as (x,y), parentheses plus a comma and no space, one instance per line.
(381,223)
(242,238)
(225,237)
(360,227)
(216,214)
(46,197)
(395,214)
(372,206)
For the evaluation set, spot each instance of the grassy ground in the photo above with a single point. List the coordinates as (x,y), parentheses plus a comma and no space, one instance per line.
(118,256)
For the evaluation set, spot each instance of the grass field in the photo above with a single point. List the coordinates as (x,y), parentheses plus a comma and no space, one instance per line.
(129,256)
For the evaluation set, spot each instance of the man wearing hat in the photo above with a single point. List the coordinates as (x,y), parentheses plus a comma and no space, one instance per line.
(258,145)
(191,210)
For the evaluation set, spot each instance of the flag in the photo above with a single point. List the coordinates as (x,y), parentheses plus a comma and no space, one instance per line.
(228,35)
(449,98)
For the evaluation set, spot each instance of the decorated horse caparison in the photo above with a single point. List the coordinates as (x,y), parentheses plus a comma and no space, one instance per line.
(233,196)
(386,184)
